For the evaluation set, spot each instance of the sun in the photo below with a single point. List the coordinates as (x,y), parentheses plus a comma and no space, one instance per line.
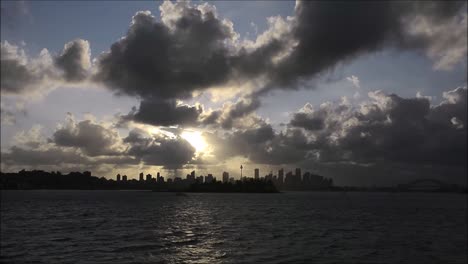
(195,139)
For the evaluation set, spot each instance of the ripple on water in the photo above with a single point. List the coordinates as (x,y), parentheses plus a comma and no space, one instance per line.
(140,227)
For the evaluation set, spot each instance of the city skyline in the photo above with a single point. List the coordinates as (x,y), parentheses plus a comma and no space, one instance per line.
(179,86)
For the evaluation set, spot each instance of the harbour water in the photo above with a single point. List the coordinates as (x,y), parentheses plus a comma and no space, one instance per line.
(47,226)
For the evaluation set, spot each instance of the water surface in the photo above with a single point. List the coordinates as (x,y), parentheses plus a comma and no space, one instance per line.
(296,227)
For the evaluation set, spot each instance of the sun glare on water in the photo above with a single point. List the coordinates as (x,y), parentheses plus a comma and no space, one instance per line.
(196,139)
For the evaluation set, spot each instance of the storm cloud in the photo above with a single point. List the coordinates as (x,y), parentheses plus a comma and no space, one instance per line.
(192,49)
(160,150)
(389,128)
(171,58)
(93,139)
(164,113)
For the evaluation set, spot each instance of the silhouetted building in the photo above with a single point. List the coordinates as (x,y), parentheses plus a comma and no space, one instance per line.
(298,174)
(257,173)
(148,177)
(209,178)
(225,176)
(281,176)
(200,179)
(160,179)
(269,177)
(141,176)
(288,179)
(124,178)
(306,178)
(191,177)
(118,177)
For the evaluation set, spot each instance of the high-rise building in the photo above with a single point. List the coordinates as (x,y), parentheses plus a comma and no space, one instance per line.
(160,179)
(288,179)
(225,176)
(124,178)
(191,177)
(298,173)
(306,178)
(141,176)
(257,173)
(281,176)
(118,177)
(148,177)
(209,178)
(200,179)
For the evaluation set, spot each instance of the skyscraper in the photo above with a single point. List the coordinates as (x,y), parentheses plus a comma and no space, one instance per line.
(225,176)
(281,176)
(118,177)
(297,177)
(298,173)
(141,176)
(257,173)
(209,178)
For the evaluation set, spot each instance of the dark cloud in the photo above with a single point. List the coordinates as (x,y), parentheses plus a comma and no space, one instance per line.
(36,157)
(329,33)
(386,129)
(164,113)
(93,139)
(307,122)
(74,60)
(171,58)
(233,115)
(192,49)
(17,74)
(26,75)
(160,150)
(392,129)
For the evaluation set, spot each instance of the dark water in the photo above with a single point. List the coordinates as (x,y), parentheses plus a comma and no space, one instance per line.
(146,227)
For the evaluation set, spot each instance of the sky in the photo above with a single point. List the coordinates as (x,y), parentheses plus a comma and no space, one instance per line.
(363,93)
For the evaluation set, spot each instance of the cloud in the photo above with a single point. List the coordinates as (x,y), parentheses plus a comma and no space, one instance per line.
(444,42)
(390,128)
(158,112)
(37,157)
(7,116)
(21,74)
(354,80)
(75,60)
(160,150)
(185,51)
(329,33)
(191,49)
(91,138)
(24,75)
